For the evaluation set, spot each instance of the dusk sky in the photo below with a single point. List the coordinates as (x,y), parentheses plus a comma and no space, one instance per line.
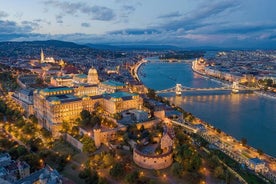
(185,23)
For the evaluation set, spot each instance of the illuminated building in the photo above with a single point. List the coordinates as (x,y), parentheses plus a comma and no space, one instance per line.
(65,80)
(150,160)
(120,101)
(92,77)
(80,78)
(53,105)
(41,56)
(24,98)
(199,64)
(86,90)
(111,86)
(76,79)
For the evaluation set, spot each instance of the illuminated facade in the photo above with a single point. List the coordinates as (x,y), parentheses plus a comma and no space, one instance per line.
(92,77)
(86,90)
(24,98)
(111,86)
(65,80)
(199,64)
(53,105)
(120,101)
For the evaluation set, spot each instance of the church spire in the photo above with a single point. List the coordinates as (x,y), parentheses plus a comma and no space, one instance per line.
(41,56)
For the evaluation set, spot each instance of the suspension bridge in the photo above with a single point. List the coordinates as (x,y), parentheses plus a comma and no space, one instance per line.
(178,89)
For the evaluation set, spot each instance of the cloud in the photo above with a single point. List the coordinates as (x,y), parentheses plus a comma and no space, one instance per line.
(170,15)
(85,24)
(134,32)
(246,28)
(9,27)
(94,12)
(59,19)
(199,17)
(3,14)
(128,9)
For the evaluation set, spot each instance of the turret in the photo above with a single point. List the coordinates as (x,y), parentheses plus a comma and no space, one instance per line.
(97,137)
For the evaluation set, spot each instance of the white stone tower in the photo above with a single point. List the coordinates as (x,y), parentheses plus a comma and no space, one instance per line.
(42,56)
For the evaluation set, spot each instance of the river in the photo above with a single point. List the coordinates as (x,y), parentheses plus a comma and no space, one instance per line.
(240,115)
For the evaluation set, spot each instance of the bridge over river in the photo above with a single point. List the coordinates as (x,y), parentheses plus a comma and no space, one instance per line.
(178,89)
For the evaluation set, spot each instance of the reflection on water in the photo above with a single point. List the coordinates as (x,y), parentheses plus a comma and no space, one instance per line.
(240,115)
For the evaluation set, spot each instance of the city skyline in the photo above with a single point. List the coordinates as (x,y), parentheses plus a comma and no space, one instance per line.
(182,23)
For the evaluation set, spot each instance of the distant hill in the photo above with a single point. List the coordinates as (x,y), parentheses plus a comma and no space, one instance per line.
(44,44)
(51,48)
(132,47)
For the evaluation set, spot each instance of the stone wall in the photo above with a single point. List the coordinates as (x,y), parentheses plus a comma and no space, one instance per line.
(74,142)
(153,161)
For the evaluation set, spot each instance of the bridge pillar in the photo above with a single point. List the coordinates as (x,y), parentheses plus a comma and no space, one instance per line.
(235,87)
(178,89)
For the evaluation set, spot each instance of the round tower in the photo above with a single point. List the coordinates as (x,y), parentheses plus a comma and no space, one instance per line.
(97,137)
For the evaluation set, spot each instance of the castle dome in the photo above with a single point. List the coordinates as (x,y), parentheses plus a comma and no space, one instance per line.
(92,71)
(92,77)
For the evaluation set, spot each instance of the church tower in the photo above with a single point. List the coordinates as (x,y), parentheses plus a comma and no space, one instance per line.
(92,77)
(41,56)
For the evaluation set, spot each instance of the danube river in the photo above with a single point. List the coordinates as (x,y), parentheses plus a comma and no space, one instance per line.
(239,115)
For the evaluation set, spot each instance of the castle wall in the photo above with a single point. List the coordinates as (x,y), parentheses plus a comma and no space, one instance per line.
(153,162)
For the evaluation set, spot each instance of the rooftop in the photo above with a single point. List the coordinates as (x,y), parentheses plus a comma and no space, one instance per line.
(83,76)
(63,77)
(121,94)
(113,83)
(55,89)
(63,98)
(256,161)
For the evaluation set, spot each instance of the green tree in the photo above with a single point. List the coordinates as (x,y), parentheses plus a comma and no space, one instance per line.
(108,159)
(219,172)
(33,118)
(85,114)
(88,144)
(243,141)
(132,177)
(260,151)
(151,93)
(117,171)
(177,169)
(90,176)
(195,162)
(35,144)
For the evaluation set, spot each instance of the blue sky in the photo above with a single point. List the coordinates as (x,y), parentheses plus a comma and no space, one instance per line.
(185,23)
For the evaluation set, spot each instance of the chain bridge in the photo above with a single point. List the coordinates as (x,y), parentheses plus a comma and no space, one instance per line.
(178,89)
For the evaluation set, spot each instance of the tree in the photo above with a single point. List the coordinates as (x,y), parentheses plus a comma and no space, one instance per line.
(90,176)
(33,118)
(117,171)
(177,169)
(65,126)
(108,159)
(219,172)
(243,141)
(34,144)
(151,93)
(85,114)
(195,162)
(260,151)
(132,177)
(88,144)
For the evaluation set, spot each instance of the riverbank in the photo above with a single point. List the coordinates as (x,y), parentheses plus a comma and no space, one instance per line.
(227,83)
(137,67)
(230,113)
(219,81)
